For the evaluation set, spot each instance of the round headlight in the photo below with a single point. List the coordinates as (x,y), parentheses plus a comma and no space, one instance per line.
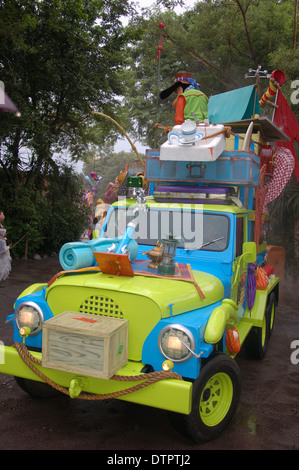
(29,315)
(176,343)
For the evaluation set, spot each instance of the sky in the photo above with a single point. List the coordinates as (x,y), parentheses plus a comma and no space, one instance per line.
(188,4)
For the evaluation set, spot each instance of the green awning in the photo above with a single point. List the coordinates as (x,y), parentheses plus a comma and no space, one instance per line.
(234,105)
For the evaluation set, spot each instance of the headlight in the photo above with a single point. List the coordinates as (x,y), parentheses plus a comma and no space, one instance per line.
(29,315)
(176,343)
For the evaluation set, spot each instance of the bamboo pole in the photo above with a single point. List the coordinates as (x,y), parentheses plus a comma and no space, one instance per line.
(125,134)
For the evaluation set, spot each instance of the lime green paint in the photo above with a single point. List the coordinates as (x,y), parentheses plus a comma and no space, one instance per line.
(255,316)
(202,207)
(216,399)
(31,289)
(222,317)
(262,247)
(160,292)
(249,252)
(141,311)
(170,394)
(77,386)
(264,330)
(240,265)
(140,299)
(272,314)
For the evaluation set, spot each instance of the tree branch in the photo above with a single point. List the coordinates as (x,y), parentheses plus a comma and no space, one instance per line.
(243,13)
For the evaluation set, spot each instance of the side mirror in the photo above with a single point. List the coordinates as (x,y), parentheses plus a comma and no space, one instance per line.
(249,252)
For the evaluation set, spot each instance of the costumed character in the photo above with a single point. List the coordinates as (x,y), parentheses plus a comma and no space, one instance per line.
(89,197)
(90,193)
(99,218)
(112,190)
(5,258)
(190,98)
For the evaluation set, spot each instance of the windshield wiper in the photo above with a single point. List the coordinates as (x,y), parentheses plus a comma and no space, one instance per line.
(207,243)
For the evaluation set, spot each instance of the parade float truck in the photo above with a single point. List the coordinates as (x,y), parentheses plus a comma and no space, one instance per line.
(155,310)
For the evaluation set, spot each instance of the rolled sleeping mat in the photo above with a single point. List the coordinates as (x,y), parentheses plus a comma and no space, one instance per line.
(77,255)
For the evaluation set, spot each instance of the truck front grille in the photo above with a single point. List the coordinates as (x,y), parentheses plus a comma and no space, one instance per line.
(98,305)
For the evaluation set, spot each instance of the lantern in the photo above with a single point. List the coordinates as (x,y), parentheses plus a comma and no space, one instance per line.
(167,265)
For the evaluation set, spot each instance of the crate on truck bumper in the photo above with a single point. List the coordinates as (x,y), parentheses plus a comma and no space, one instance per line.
(86,344)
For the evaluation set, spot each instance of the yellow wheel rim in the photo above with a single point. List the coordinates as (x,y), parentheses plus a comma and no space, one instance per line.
(216,399)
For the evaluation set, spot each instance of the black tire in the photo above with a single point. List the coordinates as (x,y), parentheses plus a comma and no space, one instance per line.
(36,389)
(216,394)
(256,342)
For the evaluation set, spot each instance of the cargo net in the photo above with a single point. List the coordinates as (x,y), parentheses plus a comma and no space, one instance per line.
(101,305)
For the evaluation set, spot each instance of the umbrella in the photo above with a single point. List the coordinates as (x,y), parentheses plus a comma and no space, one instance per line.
(7,105)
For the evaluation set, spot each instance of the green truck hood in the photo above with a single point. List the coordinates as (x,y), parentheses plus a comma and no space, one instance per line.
(140,299)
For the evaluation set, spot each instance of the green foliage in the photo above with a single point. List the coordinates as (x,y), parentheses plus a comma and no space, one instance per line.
(219,40)
(59,59)
(24,220)
(45,219)
(66,215)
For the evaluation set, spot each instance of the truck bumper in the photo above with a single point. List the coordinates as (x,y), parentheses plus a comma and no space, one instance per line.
(167,394)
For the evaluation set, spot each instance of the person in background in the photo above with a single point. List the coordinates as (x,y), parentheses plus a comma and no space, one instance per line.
(5,258)
(2,217)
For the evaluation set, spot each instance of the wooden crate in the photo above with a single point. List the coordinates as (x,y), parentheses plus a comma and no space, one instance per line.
(85,344)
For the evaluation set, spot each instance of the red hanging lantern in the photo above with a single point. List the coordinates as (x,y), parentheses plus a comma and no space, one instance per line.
(161,26)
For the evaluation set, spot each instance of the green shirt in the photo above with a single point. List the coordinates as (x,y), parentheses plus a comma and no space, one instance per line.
(196,102)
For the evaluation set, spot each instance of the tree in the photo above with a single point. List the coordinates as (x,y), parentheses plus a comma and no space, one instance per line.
(218,41)
(61,60)
(58,60)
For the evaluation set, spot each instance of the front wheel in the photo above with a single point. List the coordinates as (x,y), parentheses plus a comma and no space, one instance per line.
(216,394)
(36,389)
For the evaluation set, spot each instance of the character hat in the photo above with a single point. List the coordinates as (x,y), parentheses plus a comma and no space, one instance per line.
(183,79)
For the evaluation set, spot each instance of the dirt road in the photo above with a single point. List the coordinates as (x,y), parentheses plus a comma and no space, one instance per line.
(267,416)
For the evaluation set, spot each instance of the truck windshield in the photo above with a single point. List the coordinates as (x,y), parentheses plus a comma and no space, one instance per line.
(194,230)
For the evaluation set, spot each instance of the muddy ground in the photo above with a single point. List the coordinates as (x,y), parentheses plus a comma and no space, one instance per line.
(267,417)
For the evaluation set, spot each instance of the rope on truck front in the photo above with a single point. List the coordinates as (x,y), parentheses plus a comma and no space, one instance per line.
(149,378)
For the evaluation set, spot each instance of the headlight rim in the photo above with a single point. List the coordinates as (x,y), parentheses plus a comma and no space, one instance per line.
(177,326)
(39,311)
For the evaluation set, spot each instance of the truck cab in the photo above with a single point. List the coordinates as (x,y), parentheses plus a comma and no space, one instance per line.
(172,277)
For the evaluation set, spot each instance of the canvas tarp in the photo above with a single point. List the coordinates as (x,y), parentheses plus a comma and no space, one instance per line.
(234,105)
